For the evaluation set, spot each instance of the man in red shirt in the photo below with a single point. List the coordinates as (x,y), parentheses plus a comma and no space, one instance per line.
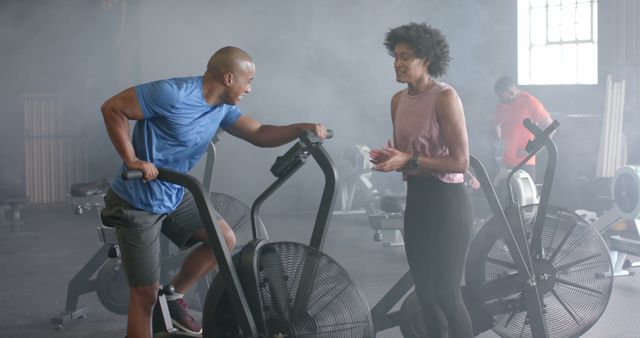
(515,106)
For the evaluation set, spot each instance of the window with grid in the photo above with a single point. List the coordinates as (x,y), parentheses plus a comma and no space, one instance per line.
(557,42)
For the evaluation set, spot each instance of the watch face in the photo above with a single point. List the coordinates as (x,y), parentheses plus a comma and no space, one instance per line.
(413,163)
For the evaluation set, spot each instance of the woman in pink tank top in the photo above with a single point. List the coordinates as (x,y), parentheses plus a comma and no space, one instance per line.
(430,147)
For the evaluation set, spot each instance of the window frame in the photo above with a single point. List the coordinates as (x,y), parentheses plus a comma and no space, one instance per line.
(544,58)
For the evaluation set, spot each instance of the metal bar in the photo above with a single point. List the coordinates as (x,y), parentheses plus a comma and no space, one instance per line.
(323,215)
(257,204)
(216,239)
(380,315)
(208,168)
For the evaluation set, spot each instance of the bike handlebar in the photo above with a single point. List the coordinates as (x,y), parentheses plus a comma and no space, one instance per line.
(131,174)
(329,133)
(540,136)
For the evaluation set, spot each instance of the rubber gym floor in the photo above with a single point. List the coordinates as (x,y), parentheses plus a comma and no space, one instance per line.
(36,271)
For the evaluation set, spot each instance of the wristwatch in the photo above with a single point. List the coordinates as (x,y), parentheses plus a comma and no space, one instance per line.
(413,162)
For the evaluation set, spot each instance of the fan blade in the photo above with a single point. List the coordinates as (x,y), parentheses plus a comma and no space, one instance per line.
(564,267)
(275,278)
(504,306)
(502,263)
(503,286)
(308,294)
(566,307)
(303,294)
(579,287)
(563,241)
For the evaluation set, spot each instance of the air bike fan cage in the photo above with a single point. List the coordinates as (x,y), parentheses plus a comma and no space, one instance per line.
(625,192)
(289,289)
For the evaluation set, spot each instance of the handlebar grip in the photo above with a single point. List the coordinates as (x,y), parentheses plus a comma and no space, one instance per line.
(532,127)
(550,128)
(310,135)
(535,130)
(540,136)
(329,133)
(132,175)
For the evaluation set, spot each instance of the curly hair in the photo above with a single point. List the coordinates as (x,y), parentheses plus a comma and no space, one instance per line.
(428,43)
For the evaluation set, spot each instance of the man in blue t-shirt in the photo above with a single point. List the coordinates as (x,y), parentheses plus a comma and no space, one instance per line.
(175,120)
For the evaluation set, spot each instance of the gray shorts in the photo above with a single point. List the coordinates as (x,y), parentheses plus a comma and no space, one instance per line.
(139,234)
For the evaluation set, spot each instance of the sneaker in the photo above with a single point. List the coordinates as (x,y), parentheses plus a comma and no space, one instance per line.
(181,317)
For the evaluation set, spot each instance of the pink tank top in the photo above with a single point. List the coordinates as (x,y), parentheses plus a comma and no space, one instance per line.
(416,130)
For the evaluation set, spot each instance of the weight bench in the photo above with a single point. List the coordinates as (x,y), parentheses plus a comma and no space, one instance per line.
(13,204)
(389,217)
(620,247)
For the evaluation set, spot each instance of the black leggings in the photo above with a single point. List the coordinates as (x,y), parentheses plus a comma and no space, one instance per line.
(437,230)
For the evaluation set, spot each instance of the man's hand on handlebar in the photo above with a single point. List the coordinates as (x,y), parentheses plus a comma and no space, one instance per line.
(149,170)
(320,130)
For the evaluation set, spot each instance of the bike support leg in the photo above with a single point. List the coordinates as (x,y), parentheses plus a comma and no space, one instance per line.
(380,315)
(79,285)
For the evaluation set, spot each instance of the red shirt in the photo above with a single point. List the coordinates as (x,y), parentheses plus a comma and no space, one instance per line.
(515,136)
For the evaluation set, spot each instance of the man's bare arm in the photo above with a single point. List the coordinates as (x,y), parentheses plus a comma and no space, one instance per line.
(116,112)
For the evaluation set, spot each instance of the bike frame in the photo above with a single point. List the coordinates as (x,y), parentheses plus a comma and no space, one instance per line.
(284,167)
(510,219)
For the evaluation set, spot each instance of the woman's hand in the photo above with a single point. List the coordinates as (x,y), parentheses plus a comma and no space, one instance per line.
(473,183)
(388,158)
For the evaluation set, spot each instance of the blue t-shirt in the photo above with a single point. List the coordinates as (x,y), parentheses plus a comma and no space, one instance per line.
(174,134)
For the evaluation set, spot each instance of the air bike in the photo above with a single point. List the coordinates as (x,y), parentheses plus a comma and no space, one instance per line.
(532,271)
(110,283)
(280,289)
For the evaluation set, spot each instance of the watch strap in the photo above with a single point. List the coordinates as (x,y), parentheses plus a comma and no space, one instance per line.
(413,162)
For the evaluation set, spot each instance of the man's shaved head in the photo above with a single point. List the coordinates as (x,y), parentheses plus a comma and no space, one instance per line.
(227,60)
(228,77)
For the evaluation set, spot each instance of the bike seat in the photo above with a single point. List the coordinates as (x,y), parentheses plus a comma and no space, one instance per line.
(107,234)
(393,203)
(85,189)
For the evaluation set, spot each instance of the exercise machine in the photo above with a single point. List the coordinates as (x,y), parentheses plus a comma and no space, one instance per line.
(356,192)
(280,289)
(287,289)
(524,193)
(545,273)
(86,196)
(625,198)
(358,195)
(532,271)
(11,204)
(103,272)
(389,216)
